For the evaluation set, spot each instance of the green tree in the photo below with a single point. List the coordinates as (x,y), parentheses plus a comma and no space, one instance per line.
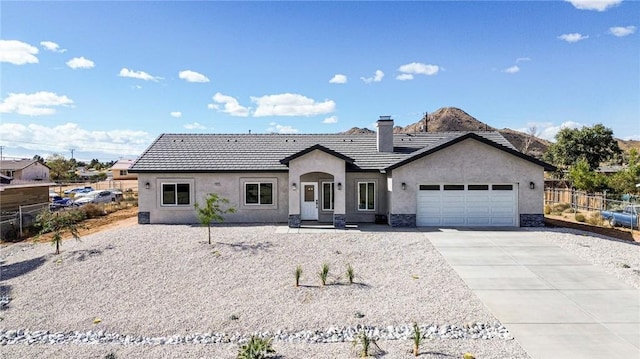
(38,158)
(213,211)
(58,223)
(59,167)
(625,180)
(584,178)
(594,144)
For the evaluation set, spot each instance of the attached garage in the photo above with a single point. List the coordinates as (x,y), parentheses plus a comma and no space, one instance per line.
(490,205)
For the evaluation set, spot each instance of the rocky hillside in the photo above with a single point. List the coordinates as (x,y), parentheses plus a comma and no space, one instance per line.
(449,119)
(454,119)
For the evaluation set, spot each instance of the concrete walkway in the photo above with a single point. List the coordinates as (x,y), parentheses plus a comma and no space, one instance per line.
(555,304)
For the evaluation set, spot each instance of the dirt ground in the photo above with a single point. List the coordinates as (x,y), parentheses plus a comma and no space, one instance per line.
(568,220)
(122,218)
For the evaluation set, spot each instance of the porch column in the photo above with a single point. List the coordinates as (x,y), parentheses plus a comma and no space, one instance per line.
(339,199)
(293,189)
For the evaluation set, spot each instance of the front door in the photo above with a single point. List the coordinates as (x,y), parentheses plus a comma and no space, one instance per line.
(309,201)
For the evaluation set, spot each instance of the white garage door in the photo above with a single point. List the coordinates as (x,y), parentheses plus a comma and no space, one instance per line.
(467,205)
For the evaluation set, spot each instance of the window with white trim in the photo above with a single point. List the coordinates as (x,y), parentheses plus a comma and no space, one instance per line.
(176,194)
(327,196)
(366,196)
(258,193)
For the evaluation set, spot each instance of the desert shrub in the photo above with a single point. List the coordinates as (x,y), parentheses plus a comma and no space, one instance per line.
(92,210)
(256,348)
(351,274)
(596,219)
(547,209)
(366,345)
(571,210)
(324,273)
(580,217)
(560,207)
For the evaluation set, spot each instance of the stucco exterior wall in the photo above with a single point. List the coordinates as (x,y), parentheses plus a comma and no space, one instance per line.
(227,185)
(317,161)
(473,162)
(355,215)
(34,172)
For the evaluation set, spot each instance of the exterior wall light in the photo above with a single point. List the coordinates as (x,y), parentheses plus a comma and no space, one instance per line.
(293,186)
(404,186)
(532,185)
(147,185)
(339,186)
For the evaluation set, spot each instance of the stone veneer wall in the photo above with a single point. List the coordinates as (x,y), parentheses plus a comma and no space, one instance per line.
(339,221)
(294,221)
(531,220)
(403,220)
(144,218)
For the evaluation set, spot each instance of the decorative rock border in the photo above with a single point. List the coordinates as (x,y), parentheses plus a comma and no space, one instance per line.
(472,331)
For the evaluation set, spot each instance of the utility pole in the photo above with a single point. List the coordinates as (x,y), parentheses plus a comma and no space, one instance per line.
(72,149)
(1,148)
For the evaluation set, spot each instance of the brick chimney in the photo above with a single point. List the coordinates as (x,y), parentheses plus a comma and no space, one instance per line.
(385,134)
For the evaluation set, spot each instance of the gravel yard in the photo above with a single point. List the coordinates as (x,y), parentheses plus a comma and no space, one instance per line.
(166,282)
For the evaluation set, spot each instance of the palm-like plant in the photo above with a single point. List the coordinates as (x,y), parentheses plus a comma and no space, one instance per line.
(58,223)
(350,274)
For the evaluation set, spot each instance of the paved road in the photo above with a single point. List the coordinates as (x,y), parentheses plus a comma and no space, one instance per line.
(555,304)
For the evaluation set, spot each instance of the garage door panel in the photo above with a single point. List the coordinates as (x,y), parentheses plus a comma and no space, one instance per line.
(476,207)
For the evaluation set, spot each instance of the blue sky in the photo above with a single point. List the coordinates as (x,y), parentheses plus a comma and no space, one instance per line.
(106,78)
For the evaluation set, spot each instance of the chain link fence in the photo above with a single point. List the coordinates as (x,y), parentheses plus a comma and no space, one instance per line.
(14,224)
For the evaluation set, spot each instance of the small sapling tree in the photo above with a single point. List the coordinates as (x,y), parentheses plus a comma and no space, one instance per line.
(58,223)
(213,211)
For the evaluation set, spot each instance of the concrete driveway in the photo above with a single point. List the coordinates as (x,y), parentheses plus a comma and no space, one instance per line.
(555,304)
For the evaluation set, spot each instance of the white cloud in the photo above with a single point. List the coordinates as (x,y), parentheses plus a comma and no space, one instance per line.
(176,114)
(231,105)
(332,119)
(58,139)
(417,68)
(80,63)
(52,46)
(376,78)
(281,129)
(338,79)
(35,104)
(632,138)
(521,59)
(573,37)
(192,76)
(621,31)
(512,70)
(404,77)
(289,104)
(141,75)
(598,5)
(549,130)
(17,52)
(194,126)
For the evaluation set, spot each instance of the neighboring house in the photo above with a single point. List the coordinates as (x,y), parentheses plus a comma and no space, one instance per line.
(24,170)
(120,170)
(424,179)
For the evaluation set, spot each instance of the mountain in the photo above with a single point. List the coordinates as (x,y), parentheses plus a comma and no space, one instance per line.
(449,119)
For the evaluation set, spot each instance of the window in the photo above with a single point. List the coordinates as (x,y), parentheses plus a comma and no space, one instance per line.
(176,194)
(258,193)
(502,187)
(454,187)
(429,187)
(478,187)
(366,196)
(123,172)
(327,196)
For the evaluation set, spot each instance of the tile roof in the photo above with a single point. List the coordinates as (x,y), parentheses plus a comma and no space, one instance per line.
(15,164)
(264,152)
